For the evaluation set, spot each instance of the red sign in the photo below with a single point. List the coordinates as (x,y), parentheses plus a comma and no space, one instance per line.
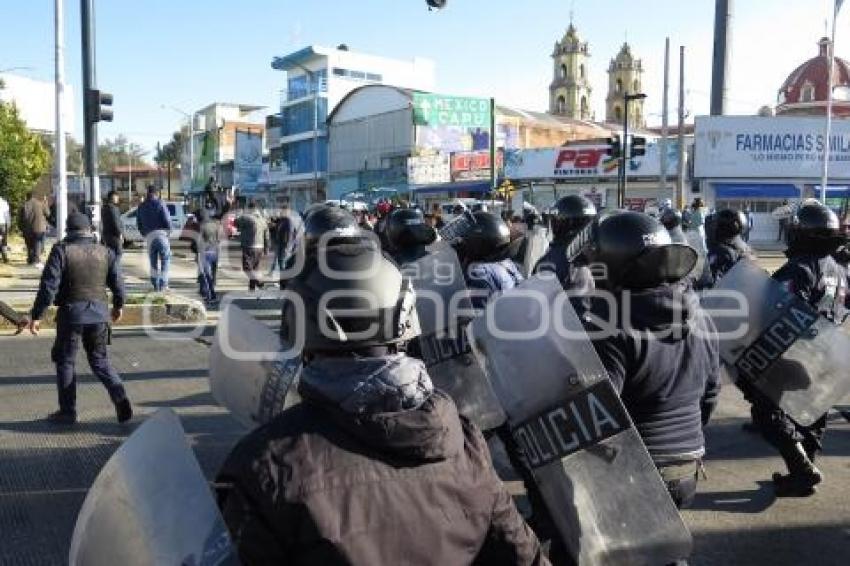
(473,165)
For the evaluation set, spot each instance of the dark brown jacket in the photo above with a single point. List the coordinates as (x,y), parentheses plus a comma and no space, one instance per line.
(33,217)
(318,486)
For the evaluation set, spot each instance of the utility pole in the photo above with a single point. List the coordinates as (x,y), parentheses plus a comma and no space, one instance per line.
(680,177)
(61,191)
(722,52)
(493,171)
(665,109)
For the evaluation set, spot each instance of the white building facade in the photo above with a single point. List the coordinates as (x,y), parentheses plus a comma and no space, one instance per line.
(36,102)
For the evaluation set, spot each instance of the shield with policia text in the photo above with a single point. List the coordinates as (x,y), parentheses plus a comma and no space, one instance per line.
(150,504)
(249,374)
(599,483)
(443,309)
(777,342)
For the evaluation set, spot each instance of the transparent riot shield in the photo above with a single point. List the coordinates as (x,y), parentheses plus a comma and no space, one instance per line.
(443,309)
(249,374)
(777,342)
(599,483)
(150,504)
(536,245)
(455,229)
(694,239)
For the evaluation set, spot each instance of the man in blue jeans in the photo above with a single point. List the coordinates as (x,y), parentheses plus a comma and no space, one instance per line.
(154,223)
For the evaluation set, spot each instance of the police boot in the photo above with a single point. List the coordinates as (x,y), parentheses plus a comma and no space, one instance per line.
(812,447)
(802,476)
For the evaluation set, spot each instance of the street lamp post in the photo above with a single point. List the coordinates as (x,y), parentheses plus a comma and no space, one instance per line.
(624,175)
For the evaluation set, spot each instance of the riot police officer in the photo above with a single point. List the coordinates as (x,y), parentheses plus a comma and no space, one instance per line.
(726,245)
(75,277)
(485,251)
(813,275)
(397,455)
(408,234)
(570,215)
(659,348)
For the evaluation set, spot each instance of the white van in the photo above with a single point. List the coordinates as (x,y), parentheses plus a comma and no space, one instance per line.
(176,210)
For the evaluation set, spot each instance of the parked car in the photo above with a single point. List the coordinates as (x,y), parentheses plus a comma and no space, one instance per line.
(179,216)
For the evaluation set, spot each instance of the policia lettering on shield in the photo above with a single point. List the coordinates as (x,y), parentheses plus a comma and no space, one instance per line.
(75,278)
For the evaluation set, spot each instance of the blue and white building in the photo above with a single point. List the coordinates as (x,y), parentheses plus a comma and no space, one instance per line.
(317,79)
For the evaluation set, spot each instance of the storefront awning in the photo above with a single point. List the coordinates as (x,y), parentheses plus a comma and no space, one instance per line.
(755,190)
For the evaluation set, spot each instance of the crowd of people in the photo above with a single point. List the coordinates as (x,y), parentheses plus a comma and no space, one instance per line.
(377,465)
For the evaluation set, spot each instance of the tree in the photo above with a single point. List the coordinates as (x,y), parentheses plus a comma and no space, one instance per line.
(23,157)
(168,155)
(117,152)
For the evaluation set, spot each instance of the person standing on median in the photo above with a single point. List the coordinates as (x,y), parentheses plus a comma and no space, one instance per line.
(154,223)
(112,229)
(207,246)
(75,278)
(5,227)
(256,242)
(33,223)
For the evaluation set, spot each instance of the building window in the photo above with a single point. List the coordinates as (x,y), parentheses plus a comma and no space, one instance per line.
(561,107)
(563,71)
(636,86)
(299,118)
(584,109)
(581,70)
(618,114)
(807,93)
(619,86)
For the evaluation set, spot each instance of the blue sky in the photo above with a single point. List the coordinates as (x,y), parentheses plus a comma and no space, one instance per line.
(188,53)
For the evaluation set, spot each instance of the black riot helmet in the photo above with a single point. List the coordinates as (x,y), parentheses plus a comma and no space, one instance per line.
(406,228)
(729,223)
(638,253)
(353,298)
(335,224)
(569,215)
(487,239)
(815,226)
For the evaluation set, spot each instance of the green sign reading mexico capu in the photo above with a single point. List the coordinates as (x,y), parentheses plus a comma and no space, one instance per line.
(439,110)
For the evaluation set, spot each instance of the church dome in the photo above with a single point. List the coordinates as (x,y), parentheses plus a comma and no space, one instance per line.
(805,90)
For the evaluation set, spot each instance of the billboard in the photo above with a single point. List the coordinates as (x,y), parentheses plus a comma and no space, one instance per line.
(583,162)
(248,160)
(451,123)
(428,169)
(767,147)
(474,165)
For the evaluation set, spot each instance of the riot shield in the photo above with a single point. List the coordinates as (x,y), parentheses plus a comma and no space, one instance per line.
(457,228)
(536,245)
(600,485)
(443,309)
(694,239)
(779,343)
(254,390)
(150,504)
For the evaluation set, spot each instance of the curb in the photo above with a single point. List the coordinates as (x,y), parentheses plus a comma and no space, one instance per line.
(192,312)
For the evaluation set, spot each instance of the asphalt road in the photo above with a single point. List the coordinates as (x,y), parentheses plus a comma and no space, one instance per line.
(45,474)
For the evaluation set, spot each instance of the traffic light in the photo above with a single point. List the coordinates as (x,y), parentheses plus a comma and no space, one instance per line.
(615,148)
(638,146)
(98,106)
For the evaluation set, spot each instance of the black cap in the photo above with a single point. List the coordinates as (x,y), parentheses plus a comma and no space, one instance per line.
(78,222)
